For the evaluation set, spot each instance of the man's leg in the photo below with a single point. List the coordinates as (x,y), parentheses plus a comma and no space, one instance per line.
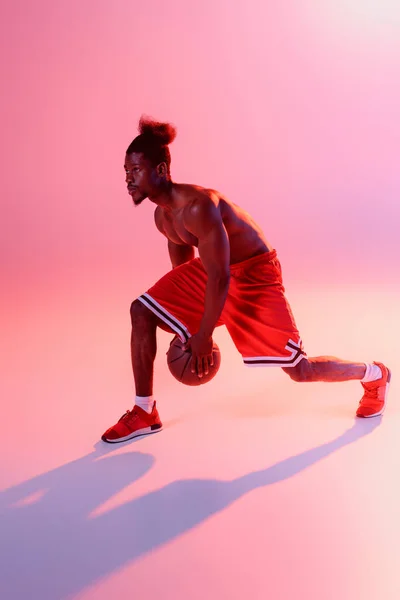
(144,417)
(375,379)
(326,368)
(174,303)
(262,326)
(144,346)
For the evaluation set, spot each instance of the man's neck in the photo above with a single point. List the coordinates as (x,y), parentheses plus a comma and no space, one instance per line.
(164,197)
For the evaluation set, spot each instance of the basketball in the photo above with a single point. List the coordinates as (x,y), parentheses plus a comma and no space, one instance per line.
(179,360)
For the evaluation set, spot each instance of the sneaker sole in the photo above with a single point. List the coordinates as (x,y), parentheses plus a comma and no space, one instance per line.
(384,399)
(138,433)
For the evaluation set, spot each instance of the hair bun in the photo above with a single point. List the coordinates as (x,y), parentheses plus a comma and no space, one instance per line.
(165,132)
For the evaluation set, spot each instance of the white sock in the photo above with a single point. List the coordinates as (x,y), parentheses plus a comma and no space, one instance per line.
(145,402)
(372,373)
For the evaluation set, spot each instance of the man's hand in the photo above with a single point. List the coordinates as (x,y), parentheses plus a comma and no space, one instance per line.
(201,349)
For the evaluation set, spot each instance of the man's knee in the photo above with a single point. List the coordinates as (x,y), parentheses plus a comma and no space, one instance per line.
(302,372)
(139,311)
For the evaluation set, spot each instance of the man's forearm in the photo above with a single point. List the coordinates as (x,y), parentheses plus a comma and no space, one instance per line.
(216,293)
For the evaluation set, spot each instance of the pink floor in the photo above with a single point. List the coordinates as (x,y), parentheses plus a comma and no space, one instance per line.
(257,487)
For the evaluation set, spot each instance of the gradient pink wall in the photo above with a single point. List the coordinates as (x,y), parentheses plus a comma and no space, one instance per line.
(290,108)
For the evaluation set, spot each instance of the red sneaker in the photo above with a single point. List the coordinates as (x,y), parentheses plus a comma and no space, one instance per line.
(133,423)
(373,403)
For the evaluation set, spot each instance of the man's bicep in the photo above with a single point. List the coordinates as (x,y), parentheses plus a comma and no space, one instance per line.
(205,222)
(214,251)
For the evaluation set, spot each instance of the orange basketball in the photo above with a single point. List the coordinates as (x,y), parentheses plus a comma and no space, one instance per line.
(179,364)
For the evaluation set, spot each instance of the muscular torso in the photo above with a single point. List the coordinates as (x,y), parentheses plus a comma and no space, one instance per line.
(245,237)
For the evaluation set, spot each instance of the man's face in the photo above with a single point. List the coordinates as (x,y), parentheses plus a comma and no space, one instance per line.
(139,176)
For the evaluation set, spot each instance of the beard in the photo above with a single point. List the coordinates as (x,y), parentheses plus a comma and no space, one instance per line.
(139,200)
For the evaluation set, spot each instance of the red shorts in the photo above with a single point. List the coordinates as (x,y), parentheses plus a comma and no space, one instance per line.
(256,312)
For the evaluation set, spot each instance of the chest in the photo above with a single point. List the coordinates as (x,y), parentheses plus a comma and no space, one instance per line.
(176,231)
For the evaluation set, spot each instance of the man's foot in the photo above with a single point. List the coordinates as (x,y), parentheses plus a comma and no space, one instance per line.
(133,423)
(373,403)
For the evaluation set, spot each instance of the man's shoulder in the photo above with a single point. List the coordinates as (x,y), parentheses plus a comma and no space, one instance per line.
(201,210)
(193,191)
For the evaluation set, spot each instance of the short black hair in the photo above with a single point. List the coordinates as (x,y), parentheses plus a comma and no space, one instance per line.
(153,141)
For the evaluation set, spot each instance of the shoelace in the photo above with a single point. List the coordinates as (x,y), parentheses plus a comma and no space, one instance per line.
(370,397)
(129,415)
(370,392)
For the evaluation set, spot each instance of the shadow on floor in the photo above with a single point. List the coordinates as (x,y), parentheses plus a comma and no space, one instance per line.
(52,549)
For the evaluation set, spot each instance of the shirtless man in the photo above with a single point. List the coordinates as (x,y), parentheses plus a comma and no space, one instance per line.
(236,281)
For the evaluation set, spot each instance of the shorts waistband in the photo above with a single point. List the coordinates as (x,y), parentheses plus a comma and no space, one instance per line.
(264,257)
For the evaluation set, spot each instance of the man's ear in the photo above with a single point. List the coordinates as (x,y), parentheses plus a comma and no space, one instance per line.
(162,169)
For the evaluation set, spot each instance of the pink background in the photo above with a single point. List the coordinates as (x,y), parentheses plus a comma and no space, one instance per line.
(291,109)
